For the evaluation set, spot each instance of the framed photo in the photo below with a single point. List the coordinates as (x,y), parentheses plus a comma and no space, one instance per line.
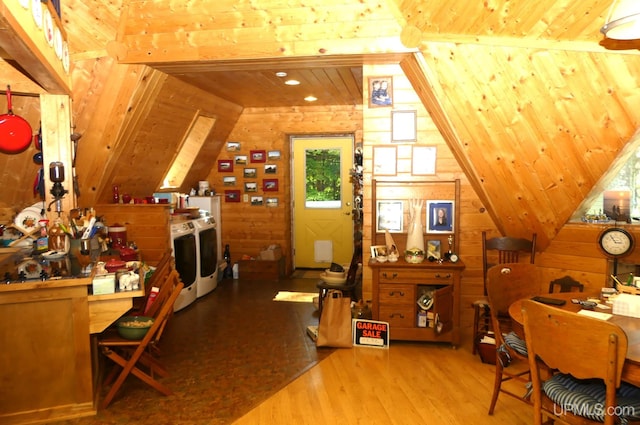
(378,250)
(249,173)
(440,216)
(270,185)
(225,166)
(233,146)
(232,196)
(389,216)
(384,160)
(380,91)
(433,249)
(250,187)
(270,168)
(271,202)
(273,155)
(240,159)
(423,160)
(258,156)
(256,201)
(229,181)
(403,126)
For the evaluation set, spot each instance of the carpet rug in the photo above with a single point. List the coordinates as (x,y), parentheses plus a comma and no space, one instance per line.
(298,297)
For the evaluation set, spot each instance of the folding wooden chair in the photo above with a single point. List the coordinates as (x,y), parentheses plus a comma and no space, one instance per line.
(132,355)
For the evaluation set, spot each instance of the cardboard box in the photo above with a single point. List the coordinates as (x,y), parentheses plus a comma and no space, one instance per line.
(271,253)
(104,284)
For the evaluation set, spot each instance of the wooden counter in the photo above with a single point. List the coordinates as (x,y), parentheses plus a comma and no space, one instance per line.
(46,357)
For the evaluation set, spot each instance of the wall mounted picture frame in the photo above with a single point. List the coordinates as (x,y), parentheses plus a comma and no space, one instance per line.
(403,126)
(258,156)
(273,155)
(271,202)
(423,160)
(380,92)
(240,159)
(256,201)
(433,248)
(233,146)
(249,173)
(250,187)
(270,168)
(384,160)
(389,216)
(225,166)
(270,185)
(229,181)
(232,196)
(440,216)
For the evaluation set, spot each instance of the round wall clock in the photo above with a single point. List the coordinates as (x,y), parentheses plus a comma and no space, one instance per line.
(616,242)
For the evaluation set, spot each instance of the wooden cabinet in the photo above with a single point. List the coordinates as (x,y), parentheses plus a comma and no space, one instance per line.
(398,286)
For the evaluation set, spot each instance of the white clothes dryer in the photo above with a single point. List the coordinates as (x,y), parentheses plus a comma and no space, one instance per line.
(183,240)
(207,255)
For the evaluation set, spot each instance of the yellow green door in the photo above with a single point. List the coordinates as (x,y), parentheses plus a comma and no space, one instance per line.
(322,201)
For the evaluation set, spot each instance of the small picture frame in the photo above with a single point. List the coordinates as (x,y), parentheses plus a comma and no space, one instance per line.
(233,146)
(232,196)
(258,156)
(225,166)
(240,159)
(423,160)
(273,155)
(389,215)
(433,249)
(229,181)
(271,202)
(249,173)
(270,168)
(270,185)
(378,250)
(256,201)
(440,216)
(403,126)
(384,160)
(250,187)
(380,92)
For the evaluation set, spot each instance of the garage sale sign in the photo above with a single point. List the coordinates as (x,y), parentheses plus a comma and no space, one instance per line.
(370,333)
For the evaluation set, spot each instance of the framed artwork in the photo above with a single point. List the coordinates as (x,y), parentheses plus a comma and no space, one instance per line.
(240,159)
(250,173)
(273,155)
(380,92)
(440,216)
(256,201)
(433,249)
(378,250)
(423,160)
(403,126)
(233,146)
(271,202)
(270,185)
(258,156)
(270,168)
(250,187)
(232,196)
(229,181)
(384,160)
(389,216)
(225,166)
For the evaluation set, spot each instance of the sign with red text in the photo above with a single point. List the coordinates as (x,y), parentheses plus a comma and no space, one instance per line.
(370,333)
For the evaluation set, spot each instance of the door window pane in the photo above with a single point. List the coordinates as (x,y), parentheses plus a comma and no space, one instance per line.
(322,175)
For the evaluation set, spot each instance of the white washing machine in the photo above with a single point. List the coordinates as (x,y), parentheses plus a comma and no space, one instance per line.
(207,255)
(183,239)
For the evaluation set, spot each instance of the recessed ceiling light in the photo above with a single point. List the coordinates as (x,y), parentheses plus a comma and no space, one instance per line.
(281,74)
(310,98)
(292,82)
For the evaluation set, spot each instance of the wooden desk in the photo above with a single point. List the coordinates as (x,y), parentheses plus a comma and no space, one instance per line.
(630,326)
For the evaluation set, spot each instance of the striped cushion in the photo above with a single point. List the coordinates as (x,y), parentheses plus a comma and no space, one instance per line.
(586,398)
(516,343)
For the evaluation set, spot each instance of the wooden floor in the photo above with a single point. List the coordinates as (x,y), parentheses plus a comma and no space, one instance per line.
(406,384)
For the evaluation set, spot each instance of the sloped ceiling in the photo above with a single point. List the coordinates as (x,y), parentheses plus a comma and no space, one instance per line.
(531,100)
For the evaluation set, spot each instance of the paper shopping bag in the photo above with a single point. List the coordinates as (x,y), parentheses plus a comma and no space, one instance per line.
(334,329)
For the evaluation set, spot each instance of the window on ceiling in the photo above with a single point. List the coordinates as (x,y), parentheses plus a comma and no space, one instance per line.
(188,150)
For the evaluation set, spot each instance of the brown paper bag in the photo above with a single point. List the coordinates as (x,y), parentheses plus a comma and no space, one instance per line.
(334,329)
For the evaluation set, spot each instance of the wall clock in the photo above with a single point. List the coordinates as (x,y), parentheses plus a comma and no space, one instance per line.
(616,242)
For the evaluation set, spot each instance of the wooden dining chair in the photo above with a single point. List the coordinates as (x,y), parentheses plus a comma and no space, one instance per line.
(565,284)
(587,356)
(348,288)
(507,283)
(132,356)
(497,250)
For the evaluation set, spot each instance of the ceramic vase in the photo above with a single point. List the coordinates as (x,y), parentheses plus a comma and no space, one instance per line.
(415,239)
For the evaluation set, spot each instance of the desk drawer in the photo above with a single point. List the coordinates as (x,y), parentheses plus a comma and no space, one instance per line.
(398,294)
(397,316)
(415,276)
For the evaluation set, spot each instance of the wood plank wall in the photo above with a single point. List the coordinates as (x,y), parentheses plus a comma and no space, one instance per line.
(247,229)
